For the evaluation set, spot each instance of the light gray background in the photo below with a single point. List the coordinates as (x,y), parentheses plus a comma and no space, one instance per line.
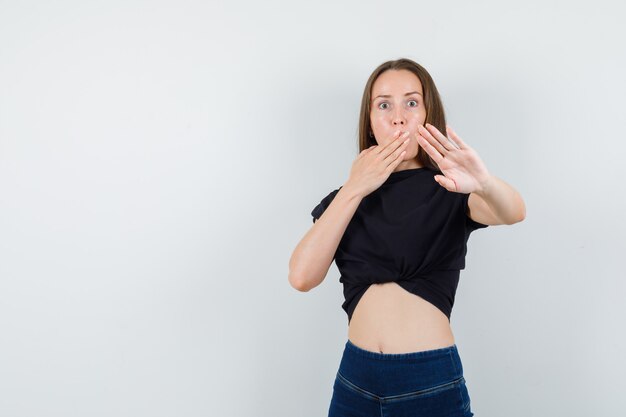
(159,162)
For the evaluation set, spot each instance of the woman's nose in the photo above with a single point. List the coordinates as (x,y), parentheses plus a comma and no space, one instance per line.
(399,119)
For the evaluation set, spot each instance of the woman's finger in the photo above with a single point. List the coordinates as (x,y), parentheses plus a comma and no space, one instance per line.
(441,138)
(432,140)
(366,151)
(457,138)
(396,161)
(398,152)
(446,182)
(393,137)
(430,150)
(393,145)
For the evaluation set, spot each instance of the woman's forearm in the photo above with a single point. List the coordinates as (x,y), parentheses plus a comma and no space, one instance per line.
(312,257)
(504,200)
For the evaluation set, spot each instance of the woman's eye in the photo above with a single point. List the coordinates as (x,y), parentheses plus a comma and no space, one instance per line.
(380,106)
(413,101)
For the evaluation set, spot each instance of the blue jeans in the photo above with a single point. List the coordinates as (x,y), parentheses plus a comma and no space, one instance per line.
(428,383)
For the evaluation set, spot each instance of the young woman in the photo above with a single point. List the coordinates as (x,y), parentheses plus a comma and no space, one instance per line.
(397,230)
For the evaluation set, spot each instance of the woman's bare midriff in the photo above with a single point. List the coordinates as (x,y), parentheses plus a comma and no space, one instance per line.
(389,319)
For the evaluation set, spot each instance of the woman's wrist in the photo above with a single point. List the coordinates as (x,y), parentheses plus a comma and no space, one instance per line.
(351,191)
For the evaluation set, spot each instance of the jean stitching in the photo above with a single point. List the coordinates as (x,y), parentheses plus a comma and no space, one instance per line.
(392,398)
(414,394)
(356,388)
(467,406)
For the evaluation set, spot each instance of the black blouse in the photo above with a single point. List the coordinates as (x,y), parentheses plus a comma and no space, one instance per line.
(410,230)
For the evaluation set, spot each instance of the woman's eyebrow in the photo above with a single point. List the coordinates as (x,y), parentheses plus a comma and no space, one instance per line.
(407,94)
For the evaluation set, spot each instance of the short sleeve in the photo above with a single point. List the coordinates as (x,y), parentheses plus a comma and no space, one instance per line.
(470,224)
(323,205)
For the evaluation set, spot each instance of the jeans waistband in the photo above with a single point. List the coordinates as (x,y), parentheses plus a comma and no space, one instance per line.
(395,373)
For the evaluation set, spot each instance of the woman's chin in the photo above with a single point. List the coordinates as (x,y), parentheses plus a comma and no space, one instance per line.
(410,154)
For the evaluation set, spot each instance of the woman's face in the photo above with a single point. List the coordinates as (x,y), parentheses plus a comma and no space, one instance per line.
(397,104)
